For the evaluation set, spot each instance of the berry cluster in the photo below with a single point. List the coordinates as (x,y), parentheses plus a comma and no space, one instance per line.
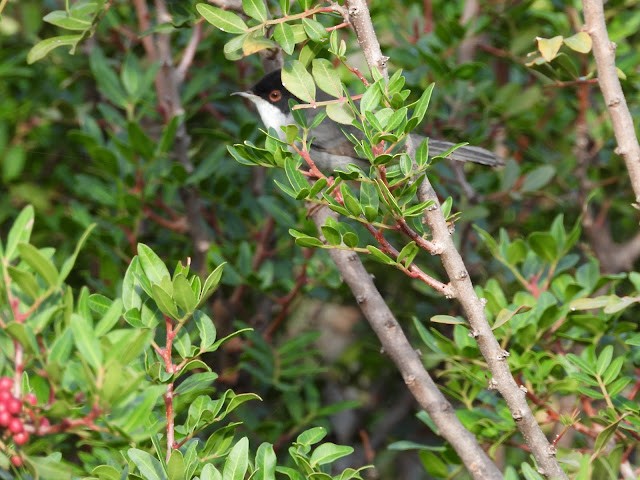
(12,414)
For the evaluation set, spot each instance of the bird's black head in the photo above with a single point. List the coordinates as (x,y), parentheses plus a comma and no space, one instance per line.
(270,88)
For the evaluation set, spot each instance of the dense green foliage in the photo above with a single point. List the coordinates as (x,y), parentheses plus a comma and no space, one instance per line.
(116,181)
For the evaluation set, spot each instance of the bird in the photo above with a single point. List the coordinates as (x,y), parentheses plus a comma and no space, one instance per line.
(330,147)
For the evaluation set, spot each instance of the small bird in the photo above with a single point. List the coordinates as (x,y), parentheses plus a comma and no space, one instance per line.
(330,148)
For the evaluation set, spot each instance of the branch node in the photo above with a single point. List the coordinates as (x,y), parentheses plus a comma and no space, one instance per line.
(523,389)
(360,299)
(503,354)
(410,380)
(483,302)
(473,333)
(517,415)
(552,450)
(613,46)
(614,102)
(437,249)
(462,275)
(493,384)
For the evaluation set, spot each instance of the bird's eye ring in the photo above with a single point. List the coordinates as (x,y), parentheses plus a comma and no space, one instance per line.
(275,95)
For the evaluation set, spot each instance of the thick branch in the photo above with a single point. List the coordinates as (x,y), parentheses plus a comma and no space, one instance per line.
(407,360)
(473,307)
(604,53)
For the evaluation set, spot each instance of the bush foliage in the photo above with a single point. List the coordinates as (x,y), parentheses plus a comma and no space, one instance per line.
(169,309)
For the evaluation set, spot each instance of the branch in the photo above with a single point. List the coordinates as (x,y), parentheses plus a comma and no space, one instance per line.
(473,307)
(604,54)
(406,359)
(167,86)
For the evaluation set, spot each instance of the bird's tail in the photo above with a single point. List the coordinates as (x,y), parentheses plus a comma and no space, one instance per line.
(465,154)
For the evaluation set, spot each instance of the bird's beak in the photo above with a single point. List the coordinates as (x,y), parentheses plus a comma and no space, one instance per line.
(246,94)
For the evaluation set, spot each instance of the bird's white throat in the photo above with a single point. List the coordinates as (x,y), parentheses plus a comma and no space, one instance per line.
(271,116)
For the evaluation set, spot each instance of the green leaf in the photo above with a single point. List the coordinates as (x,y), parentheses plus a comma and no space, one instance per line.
(380,256)
(549,47)
(298,81)
(605,435)
(340,112)
(223,19)
(154,268)
(422,104)
(25,281)
(169,134)
(538,178)
(255,9)
(209,472)
(331,235)
(505,315)
(237,462)
(604,359)
(256,42)
(544,245)
(86,341)
(581,363)
(408,253)
(371,98)
(150,467)
(304,240)
(233,49)
(350,201)
(613,370)
(62,19)
(448,320)
(265,463)
(314,30)
(165,302)
(43,47)
(326,77)
(176,467)
(39,262)
(183,294)
(131,289)
(211,283)
(20,232)
(68,264)
(580,42)
(206,329)
(589,303)
(311,436)
(283,34)
(109,318)
(328,453)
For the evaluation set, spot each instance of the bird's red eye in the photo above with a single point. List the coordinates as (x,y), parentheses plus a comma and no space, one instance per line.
(275,95)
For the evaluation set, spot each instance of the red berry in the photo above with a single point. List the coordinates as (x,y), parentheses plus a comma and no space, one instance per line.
(6,384)
(3,407)
(21,438)
(5,396)
(5,418)
(14,406)
(31,399)
(16,461)
(44,423)
(15,425)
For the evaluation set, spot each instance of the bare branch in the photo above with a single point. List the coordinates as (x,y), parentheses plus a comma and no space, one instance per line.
(167,85)
(473,307)
(604,53)
(407,360)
